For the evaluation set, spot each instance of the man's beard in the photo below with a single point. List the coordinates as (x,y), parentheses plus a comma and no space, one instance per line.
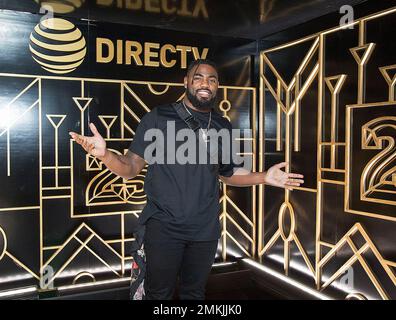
(200,104)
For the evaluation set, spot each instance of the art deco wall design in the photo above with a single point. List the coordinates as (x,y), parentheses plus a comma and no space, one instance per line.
(86,190)
(65,219)
(328,108)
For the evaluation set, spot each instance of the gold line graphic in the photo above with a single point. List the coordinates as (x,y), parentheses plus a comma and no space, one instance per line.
(335,89)
(379,168)
(362,55)
(391,81)
(108,125)
(56,124)
(119,189)
(84,274)
(379,177)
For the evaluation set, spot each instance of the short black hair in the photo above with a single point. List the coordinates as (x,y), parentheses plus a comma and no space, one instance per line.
(198,62)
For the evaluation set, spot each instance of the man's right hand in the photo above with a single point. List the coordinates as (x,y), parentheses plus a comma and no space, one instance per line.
(95,146)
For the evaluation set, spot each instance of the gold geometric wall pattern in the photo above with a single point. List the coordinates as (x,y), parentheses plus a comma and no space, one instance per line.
(380,173)
(354,159)
(294,92)
(238,227)
(88,194)
(107,188)
(377,146)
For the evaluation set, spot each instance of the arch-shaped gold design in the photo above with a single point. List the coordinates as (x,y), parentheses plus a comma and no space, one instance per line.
(84,274)
(158,93)
(4,250)
(281,218)
(355,296)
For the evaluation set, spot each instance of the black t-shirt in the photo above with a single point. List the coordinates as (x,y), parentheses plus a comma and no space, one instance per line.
(184,197)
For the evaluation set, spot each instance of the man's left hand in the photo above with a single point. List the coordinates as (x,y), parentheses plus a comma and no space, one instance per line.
(278,178)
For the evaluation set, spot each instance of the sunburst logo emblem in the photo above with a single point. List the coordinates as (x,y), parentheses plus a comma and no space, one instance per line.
(60,6)
(57,45)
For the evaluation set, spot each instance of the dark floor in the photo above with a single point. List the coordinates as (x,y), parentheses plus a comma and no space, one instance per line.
(231,282)
(236,280)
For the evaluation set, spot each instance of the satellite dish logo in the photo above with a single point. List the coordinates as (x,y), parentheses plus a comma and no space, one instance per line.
(60,6)
(57,45)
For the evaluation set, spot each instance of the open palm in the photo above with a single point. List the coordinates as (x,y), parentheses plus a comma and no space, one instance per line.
(95,145)
(278,178)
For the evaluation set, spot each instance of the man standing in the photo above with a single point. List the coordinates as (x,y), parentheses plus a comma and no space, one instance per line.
(181,215)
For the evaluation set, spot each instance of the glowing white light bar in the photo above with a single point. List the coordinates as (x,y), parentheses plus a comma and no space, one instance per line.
(305,271)
(11,293)
(223,264)
(15,278)
(73,273)
(234,253)
(288,280)
(93,284)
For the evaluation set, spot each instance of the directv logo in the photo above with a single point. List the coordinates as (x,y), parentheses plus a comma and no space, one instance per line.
(58,46)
